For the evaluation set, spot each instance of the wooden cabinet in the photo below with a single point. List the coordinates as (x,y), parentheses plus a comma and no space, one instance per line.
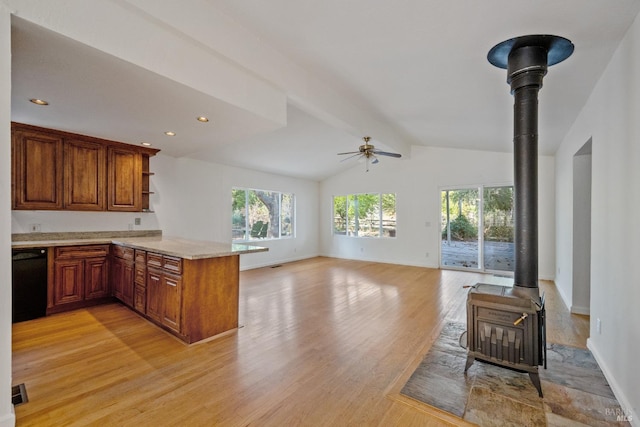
(37,170)
(194,299)
(96,278)
(140,282)
(154,294)
(58,170)
(84,175)
(79,277)
(125,180)
(164,291)
(146,186)
(68,282)
(122,274)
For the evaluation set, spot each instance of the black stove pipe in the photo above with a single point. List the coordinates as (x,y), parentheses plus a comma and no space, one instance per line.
(527,67)
(526,60)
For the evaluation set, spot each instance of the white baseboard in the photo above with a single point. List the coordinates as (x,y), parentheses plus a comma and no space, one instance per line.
(580,310)
(276,262)
(627,408)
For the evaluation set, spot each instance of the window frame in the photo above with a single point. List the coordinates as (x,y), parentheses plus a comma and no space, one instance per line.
(247,226)
(356,220)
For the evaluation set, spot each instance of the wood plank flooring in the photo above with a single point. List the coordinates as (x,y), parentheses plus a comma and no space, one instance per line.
(323,342)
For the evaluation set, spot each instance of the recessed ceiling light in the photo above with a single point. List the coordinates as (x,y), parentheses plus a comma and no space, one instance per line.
(39,101)
(146,144)
(170,133)
(202,119)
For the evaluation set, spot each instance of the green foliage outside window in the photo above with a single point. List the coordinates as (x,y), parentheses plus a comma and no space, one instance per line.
(259,214)
(365,215)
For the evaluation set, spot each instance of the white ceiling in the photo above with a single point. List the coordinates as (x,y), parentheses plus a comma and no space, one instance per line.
(418,65)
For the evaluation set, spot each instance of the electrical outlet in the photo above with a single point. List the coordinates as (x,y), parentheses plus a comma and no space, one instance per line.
(598,325)
(137,221)
(426,255)
(361,249)
(427,224)
(34,228)
(130,227)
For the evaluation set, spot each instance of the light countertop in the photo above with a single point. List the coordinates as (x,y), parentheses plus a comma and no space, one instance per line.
(173,246)
(188,249)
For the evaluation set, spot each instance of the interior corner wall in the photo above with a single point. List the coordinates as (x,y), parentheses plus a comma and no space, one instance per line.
(610,119)
(7,417)
(417,182)
(193,200)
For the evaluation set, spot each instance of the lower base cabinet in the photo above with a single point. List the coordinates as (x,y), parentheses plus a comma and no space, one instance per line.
(78,277)
(122,274)
(193,299)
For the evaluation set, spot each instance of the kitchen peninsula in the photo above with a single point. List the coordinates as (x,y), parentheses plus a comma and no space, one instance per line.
(189,288)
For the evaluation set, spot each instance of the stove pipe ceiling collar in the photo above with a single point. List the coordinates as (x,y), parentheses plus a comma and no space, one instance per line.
(526,60)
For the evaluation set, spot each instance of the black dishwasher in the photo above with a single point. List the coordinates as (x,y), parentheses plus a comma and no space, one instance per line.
(29,284)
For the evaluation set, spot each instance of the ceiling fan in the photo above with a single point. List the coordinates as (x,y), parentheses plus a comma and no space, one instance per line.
(368,152)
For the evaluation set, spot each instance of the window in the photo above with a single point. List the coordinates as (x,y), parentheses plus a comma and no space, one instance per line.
(365,215)
(260,214)
(477,228)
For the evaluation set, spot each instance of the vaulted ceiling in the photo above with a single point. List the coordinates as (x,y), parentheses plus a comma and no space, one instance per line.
(409,72)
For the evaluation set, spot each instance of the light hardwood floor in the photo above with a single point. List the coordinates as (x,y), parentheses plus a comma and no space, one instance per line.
(323,342)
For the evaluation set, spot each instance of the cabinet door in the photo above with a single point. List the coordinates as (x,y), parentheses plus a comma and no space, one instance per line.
(140,298)
(96,284)
(172,288)
(125,180)
(117,265)
(127,283)
(37,170)
(68,282)
(154,294)
(84,175)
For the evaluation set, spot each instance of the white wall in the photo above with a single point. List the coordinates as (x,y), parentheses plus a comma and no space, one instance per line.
(193,200)
(51,221)
(7,417)
(417,182)
(610,117)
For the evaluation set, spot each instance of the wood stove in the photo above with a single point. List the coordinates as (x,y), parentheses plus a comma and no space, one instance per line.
(506,329)
(506,325)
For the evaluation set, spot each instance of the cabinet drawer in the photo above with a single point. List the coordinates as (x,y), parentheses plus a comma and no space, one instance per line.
(88,251)
(123,252)
(172,264)
(141,256)
(140,275)
(154,260)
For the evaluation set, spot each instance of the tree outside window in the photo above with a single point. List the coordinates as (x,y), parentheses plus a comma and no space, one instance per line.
(260,214)
(365,215)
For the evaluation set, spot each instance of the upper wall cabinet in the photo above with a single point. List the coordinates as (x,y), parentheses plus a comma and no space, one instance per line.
(60,170)
(37,170)
(125,180)
(84,175)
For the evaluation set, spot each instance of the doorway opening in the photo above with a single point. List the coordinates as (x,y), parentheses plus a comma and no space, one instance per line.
(581,287)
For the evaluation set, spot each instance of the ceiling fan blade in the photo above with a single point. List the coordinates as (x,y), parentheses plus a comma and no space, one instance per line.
(384,153)
(350,157)
(349,152)
(375,160)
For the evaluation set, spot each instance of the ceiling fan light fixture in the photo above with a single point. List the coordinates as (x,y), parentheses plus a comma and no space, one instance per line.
(367,152)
